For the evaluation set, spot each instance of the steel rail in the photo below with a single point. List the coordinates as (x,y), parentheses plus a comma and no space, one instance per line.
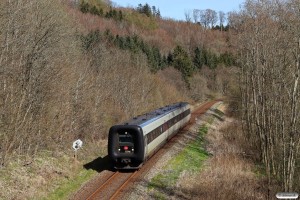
(196,112)
(123,185)
(102,186)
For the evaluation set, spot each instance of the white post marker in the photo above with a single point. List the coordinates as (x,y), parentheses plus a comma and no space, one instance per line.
(77,145)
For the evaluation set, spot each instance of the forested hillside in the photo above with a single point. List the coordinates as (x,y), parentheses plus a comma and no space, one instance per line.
(62,79)
(71,69)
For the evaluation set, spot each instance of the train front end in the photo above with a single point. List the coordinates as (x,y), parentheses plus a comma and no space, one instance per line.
(126,146)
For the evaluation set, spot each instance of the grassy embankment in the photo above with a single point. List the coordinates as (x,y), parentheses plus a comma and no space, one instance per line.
(219,164)
(63,188)
(190,160)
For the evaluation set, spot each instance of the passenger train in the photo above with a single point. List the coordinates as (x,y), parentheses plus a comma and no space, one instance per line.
(130,144)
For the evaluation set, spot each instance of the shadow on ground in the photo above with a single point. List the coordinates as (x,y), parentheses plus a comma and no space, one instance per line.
(100,164)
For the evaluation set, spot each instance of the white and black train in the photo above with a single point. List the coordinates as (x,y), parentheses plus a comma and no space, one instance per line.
(130,144)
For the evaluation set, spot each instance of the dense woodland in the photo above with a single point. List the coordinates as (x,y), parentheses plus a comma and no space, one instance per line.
(269,53)
(72,69)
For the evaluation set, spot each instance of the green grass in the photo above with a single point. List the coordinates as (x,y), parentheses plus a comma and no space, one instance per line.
(48,177)
(69,186)
(159,196)
(189,159)
(72,177)
(260,171)
(210,120)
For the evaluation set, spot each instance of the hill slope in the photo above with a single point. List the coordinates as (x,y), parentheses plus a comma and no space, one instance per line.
(68,74)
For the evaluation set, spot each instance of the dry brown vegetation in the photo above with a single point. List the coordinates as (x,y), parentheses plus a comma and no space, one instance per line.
(230,172)
(35,43)
(53,92)
(51,89)
(269,46)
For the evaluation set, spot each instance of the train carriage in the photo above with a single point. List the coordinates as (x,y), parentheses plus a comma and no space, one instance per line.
(130,144)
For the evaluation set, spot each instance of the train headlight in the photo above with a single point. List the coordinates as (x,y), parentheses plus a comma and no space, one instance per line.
(119,149)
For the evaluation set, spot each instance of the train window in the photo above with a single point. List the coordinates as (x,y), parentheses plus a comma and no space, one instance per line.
(126,144)
(151,136)
(125,138)
(165,127)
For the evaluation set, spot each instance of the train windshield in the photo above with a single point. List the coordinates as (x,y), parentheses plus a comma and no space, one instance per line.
(126,142)
(125,139)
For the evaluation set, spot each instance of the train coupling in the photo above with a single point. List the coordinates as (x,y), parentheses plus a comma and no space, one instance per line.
(125,160)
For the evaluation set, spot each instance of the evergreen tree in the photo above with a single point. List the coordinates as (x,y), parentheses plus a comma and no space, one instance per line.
(170,58)
(154,11)
(182,62)
(157,58)
(151,60)
(94,10)
(211,60)
(109,14)
(147,10)
(120,17)
(143,46)
(119,41)
(227,58)
(158,14)
(140,8)
(115,15)
(90,39)
(164,63)
(132,43)
(108,35)
(205,57)
(100,12)
(84,7)
(198,58)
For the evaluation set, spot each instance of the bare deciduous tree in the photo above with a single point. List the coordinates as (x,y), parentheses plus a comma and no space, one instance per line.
(32,44)
(222,18)
(196,15)
(188,17)
(212,16)
(269,42)
(206,17)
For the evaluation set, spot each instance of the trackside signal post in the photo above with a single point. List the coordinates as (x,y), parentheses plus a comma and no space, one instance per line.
(76,145)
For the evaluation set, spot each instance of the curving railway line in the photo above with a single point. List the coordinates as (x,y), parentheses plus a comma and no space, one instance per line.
(110,184)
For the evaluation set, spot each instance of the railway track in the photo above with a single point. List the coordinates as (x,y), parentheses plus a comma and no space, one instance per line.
(113,184)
